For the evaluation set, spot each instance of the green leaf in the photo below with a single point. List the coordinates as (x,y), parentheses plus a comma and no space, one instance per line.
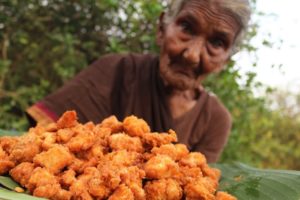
(10,195)
(9,133)
(247,183)
(8,182)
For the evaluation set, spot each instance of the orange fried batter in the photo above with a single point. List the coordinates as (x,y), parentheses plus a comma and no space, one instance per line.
(224,196)
(122,141)
(112,160)
(158,139)
(134,126)
(161,166)
(67,120)
(22,173)
(167,189)
(122,193)
(54,159)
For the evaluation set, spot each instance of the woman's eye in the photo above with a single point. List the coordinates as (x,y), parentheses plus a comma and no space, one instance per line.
(186,27)
(218,43)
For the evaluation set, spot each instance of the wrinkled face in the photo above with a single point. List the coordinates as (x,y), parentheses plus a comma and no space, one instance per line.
(197,42)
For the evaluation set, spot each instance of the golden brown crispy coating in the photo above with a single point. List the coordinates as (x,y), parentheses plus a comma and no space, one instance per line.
(79,190)
(113,124)
(67,178)
(112,160)
(188,174)
(134,126)
(5,163)
(224,196)
(67,120)
(22,172)
(176,152)
(166,189)
(47,191)
(83,139)
(97,188)
(41,177)
(122,193)
(198,190)
(54,159)
(193,159)
(49,140)
(5,166)
(123,141)
(62,195)
(161,166)
(24,151)
(132,174)
(213,173)
(64,135)
(158,139)
(7,143)
(121,158)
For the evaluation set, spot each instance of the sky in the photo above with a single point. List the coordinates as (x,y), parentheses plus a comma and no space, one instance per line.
(281,24)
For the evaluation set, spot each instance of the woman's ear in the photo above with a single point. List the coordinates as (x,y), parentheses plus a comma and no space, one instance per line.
(160,29)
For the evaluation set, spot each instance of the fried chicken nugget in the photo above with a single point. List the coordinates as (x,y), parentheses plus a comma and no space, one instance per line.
(193,159)
(188,174)
(198,190)
(7,143)
(41,177)
(5,163)
(47,191)
(67,178)
(123,141)
(134,126)
(49,140)
(5,166)
(22,172)
(158,139)
(26,148)
(83,139)
(79,190)
(161,166)
(213,173)
(64,135)
(97,188)
(176,152)
(121,158)
(54,159)
(113,124)
(224,196)
(67,120)
(163,189)
(95,185)
(122,193)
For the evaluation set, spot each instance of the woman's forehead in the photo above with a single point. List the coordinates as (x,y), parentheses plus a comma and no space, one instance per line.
(210,11)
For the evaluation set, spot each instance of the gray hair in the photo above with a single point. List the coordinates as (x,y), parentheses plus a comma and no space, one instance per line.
(240,9)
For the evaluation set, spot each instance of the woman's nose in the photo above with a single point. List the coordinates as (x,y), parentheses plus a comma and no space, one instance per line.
(192,52)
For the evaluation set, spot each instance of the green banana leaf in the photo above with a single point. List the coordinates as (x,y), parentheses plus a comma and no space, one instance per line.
(248,183)
(11,195)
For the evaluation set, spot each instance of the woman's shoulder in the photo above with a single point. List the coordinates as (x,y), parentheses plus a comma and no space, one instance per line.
(217,108)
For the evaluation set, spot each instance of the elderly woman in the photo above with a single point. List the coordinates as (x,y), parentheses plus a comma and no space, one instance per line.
(196,38)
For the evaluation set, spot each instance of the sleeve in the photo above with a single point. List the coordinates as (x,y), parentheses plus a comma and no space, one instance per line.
(88,94)
(216,132)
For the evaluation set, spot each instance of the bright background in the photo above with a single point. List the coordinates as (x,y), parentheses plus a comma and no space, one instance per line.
(281,26)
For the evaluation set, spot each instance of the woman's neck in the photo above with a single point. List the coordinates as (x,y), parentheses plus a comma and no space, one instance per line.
(180,102)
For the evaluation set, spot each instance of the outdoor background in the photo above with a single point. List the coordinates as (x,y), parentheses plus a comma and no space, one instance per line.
(43,43)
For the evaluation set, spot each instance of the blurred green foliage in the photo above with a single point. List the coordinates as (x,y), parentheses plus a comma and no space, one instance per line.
(43,43)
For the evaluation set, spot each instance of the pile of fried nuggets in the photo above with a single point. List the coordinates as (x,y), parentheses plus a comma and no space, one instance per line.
(112,160)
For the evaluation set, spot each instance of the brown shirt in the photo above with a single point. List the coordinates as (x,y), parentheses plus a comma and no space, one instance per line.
(128,84)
